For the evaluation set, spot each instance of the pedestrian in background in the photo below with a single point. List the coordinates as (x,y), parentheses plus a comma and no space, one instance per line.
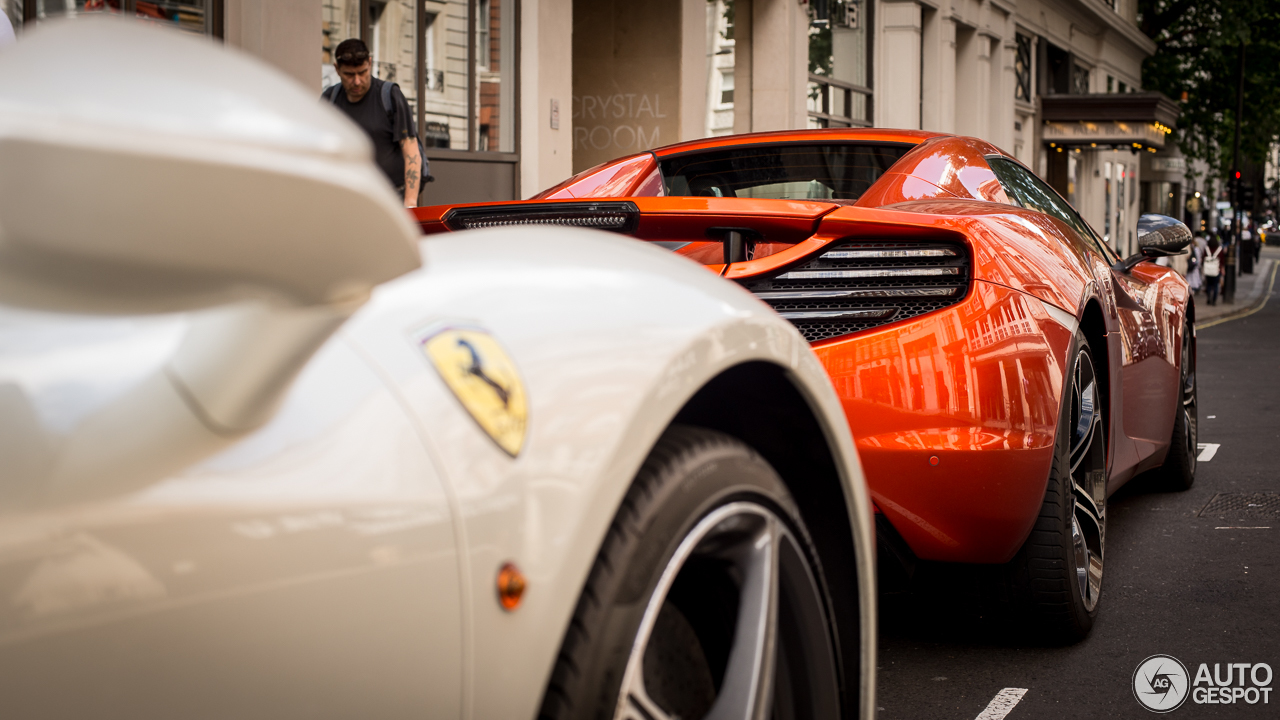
(383,113)
(1195,265)
(1212,270)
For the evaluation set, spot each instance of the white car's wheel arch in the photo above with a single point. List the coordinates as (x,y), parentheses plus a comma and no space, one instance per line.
(689,376)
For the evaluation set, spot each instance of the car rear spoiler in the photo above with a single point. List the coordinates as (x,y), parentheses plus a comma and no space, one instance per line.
(647,218)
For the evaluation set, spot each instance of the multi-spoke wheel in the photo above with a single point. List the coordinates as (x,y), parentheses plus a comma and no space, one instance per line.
(1179,469)
(706,600)
(1088,454)
(1057,575)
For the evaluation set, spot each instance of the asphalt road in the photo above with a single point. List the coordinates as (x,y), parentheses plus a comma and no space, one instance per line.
(1196,587)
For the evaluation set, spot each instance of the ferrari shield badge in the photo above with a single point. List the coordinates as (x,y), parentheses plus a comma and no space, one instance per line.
(485,381)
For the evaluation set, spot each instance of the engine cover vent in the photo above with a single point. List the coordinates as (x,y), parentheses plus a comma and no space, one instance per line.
(858,285)
(618,216)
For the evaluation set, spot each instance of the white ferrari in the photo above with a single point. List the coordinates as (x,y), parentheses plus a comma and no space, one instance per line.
(265,452)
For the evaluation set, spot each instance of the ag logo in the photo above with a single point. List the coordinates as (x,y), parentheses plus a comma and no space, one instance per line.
(485,381)
(1160,683)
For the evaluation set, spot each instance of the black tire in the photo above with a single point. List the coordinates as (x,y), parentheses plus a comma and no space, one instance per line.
(1178,472)
(681,639)
(1056,587)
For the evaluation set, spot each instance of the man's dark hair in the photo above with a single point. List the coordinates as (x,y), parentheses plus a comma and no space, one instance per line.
(352,53)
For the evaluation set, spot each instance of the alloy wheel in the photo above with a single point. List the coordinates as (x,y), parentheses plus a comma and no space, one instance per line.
(1088,479)
(763,650)
(1189,410)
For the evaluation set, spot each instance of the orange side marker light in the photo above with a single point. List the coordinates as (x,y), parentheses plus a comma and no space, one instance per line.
(511,585)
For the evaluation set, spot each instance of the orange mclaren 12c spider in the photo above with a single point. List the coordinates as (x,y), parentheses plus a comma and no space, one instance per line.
(1003,370)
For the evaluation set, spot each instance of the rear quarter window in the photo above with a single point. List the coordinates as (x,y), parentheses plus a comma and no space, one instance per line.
(1032,193)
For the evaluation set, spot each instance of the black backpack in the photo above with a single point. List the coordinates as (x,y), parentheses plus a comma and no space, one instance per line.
(331,94)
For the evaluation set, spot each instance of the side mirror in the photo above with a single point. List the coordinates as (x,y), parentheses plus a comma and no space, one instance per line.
(1158,236)
(146,171)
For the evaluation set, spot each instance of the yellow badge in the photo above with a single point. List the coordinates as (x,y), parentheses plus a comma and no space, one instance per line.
(485,381)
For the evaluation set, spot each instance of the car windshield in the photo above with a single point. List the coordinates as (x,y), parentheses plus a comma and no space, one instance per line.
(784,171)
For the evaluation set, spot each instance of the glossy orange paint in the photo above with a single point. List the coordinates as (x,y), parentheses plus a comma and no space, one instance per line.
(942,166)
(976,385)
(702,223)
(616,178)
(1150,343)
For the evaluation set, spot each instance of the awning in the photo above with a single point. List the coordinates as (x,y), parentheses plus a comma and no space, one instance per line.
(1128,120)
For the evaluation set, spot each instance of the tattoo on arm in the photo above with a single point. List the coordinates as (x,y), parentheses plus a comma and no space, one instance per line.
(412,171)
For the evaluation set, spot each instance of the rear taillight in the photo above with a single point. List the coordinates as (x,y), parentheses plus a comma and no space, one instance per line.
(615,216)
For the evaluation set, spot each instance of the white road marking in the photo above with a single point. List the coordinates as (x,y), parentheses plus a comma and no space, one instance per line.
(1002,703)
(1207,451)
(1262,527)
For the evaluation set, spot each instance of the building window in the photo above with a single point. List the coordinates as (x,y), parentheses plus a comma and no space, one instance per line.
(494,107)
(720,68)
(484,12)
(1022,69)
(1111,84)
(1055,70)
(726,88)
(839,64)
(201,17)
(1079,80)
(432,62)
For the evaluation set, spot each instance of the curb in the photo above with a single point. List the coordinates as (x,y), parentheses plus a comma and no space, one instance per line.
(1261,303)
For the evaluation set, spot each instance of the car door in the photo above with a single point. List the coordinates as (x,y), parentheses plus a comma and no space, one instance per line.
(1150,372)
(307,571)
(1146,380)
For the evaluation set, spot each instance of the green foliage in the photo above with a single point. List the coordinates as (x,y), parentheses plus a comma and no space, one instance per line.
(727,33)
(820,50)
(1198,44)
(820,56)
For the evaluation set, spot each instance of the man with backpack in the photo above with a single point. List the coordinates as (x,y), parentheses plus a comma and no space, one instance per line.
(380,109)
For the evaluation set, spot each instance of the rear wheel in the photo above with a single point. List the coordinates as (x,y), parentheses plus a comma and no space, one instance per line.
(1179,469)
(1057,574)
(705,601)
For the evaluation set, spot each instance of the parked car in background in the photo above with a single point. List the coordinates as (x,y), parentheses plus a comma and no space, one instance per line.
(1002,370)
(265,452)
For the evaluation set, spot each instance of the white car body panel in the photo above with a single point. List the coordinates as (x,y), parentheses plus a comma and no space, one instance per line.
(243,490)
(613,339)
(341,560)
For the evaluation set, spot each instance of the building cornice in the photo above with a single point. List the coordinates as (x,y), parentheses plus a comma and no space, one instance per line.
(1119,26)
(1091,16)
(1008,7)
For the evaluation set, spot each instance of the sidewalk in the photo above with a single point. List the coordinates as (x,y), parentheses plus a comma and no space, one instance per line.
(1250,291)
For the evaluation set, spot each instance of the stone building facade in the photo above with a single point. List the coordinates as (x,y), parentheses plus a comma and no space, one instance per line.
(513,96)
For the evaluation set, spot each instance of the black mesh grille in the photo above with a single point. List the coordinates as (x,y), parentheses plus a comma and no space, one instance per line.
(884,282)
(616,216)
